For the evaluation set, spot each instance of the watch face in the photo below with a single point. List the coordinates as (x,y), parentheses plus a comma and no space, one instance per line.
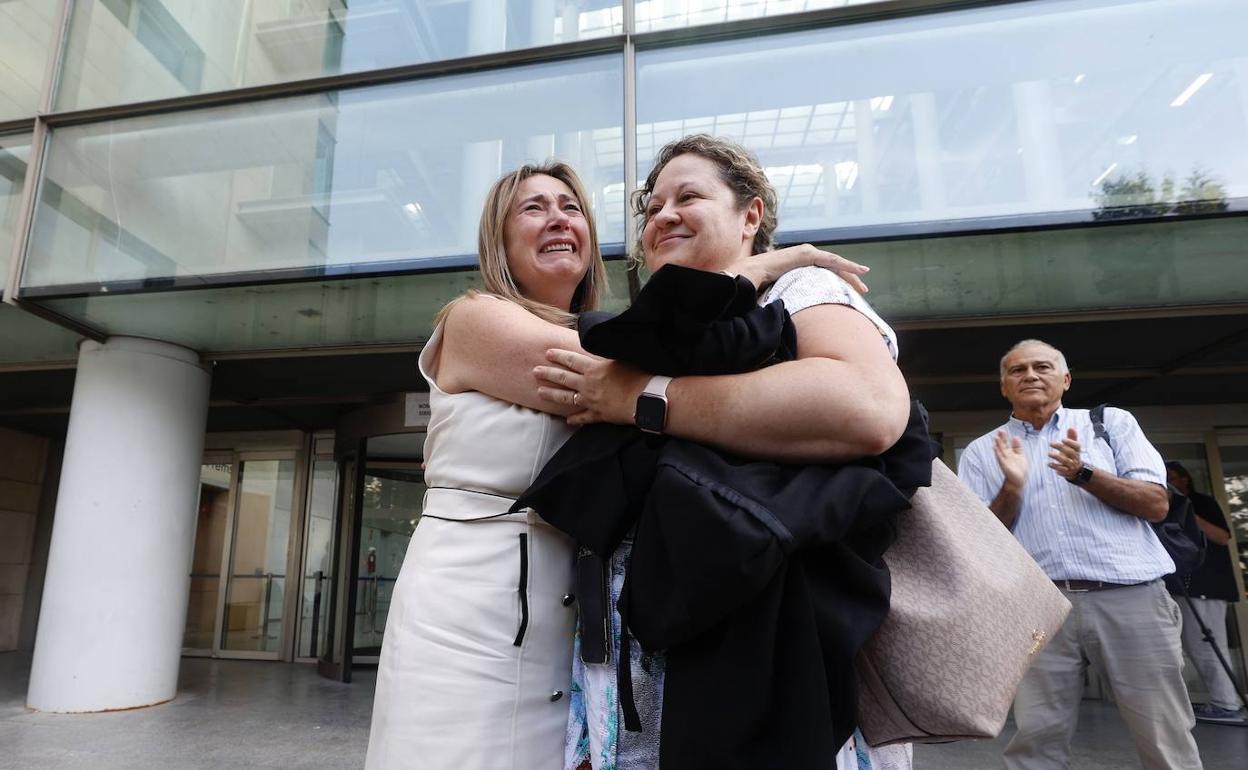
(651,413)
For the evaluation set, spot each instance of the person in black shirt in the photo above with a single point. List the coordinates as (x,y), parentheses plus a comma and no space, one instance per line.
(1211,588)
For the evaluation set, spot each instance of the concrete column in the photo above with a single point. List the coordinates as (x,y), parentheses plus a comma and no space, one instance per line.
(114,600)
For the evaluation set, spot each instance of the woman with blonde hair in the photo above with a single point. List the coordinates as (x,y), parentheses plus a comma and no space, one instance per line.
(476,660)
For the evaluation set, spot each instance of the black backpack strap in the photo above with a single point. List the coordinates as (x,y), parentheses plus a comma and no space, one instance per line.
(1097,413)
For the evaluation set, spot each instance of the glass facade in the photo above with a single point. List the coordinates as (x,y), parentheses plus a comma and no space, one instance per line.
(26,34)
(1086,110)
(879,130)
(123,51)
(383,177)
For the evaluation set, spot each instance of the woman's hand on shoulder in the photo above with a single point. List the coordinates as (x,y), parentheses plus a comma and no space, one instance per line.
(766,268)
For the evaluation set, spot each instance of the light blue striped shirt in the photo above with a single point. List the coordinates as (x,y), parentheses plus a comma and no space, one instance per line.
(1066,529)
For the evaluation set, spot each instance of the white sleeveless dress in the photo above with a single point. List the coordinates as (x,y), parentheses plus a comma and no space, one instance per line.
(475,664)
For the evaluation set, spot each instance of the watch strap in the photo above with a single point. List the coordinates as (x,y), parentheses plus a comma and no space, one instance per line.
(1082,476)
(657,386)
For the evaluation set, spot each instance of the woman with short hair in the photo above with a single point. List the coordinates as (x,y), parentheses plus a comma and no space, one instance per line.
(707,204)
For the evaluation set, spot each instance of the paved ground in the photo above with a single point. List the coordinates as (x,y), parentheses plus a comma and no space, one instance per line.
(244,714)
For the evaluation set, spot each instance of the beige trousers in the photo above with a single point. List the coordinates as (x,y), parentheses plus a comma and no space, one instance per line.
(1132,636)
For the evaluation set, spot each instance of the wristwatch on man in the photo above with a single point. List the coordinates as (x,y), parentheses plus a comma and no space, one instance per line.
(1082,476)
(651,412)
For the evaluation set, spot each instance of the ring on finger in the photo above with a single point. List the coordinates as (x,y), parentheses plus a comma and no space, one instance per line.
(576,398)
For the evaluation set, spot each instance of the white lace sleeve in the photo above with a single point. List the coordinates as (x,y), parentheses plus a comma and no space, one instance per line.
(809,286)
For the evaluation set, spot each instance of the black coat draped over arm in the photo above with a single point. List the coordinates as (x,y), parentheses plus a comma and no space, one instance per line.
(759,580)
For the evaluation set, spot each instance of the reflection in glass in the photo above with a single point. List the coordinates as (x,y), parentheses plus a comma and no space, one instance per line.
(667,14)
(354,311)
(25,41)
(134,50)
(257,576)
(383,176)
(393,500)
(1154,264)
(993,112)
(210,526)
(1235,476)
(14,157)
(318,568)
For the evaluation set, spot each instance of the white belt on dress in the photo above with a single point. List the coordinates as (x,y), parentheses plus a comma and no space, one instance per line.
(454,504)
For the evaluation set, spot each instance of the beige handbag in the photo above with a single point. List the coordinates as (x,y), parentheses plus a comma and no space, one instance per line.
(970,610)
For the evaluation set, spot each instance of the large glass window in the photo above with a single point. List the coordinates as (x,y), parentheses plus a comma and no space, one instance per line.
(14,157)
(25,43)
(134,50)
(387,176)
(1096,109)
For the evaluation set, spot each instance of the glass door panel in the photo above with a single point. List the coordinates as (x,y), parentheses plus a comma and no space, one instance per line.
(210,528)
(252,620)
(1235,476)
(393,497)
(318,570)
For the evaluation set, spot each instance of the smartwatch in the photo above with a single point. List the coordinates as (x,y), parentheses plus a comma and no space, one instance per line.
(1082,476)
(651,412)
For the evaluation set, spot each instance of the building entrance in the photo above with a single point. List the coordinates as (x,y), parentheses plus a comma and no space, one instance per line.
(238,604)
